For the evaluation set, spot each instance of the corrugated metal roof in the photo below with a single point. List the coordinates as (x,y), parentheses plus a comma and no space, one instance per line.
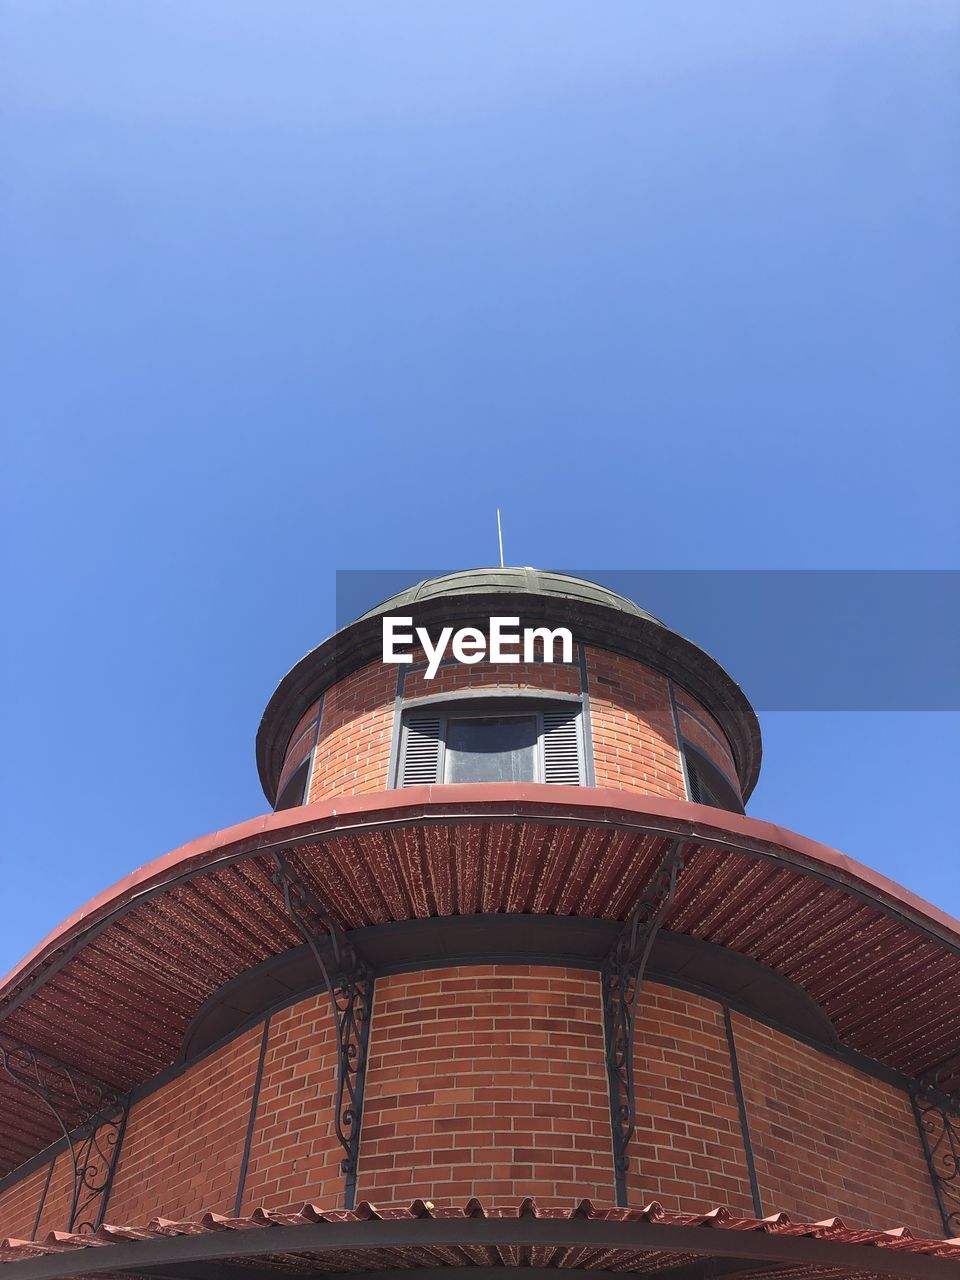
(469,1248)
(113,993)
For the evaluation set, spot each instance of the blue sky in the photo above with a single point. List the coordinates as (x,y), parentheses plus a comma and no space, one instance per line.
(299,287)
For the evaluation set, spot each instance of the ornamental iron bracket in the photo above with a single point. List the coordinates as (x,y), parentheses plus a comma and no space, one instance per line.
(938,1120)
(349,983)
(91,1116)
(622,978)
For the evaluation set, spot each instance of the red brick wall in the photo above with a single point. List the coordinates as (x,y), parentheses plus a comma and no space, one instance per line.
(59,1197)
(356,727)
(634,740)
(688,1149)
(182,1147)
(554,677)
(18,1204)
(295,1155)
(828,1139)
(487,1081)
(353,750)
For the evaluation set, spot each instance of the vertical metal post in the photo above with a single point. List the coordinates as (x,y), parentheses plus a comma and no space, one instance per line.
(622,979)
(43,1199)
(742,1111)
(252,1117)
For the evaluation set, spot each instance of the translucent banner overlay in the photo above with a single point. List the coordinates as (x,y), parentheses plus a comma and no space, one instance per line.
(794,639)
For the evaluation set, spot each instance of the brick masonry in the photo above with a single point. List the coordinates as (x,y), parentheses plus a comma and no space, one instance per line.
(490,1080)
(294,1154)
(182,1147)
(56,1204)
(487,1081)
(353,748)
(634,739)
(19,1204)
(688,1150)
(829,1139)
(553,677)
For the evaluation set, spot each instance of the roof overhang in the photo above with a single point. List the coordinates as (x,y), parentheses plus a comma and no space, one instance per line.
(141,959)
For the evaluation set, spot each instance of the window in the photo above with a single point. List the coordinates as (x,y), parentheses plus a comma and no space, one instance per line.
(486,741)
(707,783)
(294,789)
(491,749)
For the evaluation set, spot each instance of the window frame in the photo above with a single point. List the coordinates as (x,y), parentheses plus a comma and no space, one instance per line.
(477,705)
(308,761)
(303,767)
(703,775)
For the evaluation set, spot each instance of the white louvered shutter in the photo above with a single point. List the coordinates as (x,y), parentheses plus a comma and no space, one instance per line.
(421,752)
(562,747)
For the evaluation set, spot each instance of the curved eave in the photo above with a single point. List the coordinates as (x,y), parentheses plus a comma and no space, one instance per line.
(637,636)
(113,990)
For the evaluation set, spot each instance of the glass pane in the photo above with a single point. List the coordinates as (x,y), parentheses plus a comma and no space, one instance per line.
(491,749)
(292,794)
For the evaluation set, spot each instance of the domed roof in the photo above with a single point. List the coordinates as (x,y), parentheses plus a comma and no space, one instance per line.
(595,614)
(539,582)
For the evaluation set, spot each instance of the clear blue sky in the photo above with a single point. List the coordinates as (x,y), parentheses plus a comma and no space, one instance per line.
(293,287)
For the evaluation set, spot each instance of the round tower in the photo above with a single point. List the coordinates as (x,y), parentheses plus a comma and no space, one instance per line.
(506,979)
(654,713)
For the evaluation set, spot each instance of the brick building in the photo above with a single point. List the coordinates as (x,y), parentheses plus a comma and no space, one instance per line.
(507,979)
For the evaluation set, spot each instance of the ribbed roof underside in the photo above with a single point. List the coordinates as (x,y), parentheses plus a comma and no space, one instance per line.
(118,1006)
(281,1258)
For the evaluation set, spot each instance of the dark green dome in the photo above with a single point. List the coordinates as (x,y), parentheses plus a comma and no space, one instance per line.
(538,582)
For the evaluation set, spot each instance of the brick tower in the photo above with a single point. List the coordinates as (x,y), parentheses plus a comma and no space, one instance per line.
(506,979)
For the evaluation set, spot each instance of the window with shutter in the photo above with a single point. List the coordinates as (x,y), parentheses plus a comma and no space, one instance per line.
(706,783)
(510,740)
(420,755)
(562,747)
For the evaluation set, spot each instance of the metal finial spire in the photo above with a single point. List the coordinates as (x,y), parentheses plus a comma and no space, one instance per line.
(500,537)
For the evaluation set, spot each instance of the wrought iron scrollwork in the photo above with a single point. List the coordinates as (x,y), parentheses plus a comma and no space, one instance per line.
(938,1119)
(622,978)
(349,983)
(91,1116)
